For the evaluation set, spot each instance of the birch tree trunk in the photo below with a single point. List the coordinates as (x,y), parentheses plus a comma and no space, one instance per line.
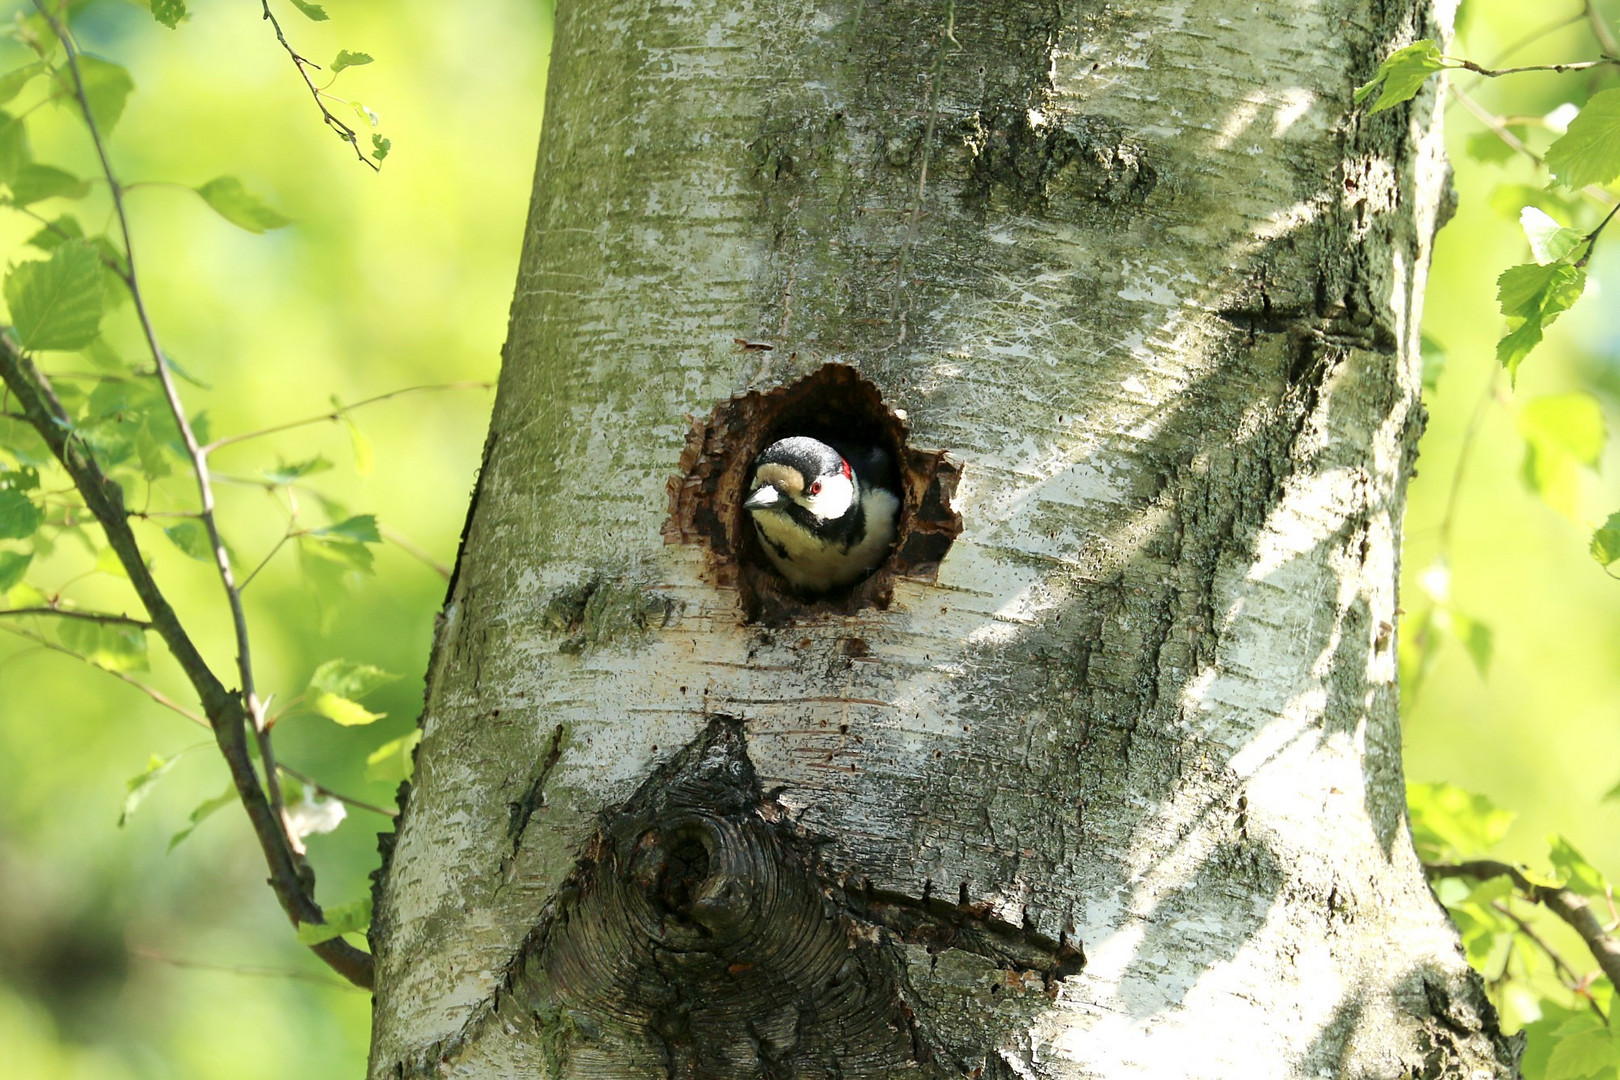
(1110,785)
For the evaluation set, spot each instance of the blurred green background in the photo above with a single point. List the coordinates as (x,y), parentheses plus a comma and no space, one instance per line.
(387,280)
(404,278)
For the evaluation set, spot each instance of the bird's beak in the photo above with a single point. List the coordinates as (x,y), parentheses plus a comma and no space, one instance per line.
(766,496)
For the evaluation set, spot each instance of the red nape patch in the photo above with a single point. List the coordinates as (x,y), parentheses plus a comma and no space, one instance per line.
(849,473)
(833,402)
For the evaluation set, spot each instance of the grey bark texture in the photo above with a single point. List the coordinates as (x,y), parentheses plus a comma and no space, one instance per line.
(1115,788)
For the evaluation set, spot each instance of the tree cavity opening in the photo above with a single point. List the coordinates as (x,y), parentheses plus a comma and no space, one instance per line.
(834,404)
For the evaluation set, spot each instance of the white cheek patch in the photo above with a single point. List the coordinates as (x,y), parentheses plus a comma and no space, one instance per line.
(836,496)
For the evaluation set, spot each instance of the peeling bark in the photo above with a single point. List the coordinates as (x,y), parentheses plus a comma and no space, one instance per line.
(1108,784)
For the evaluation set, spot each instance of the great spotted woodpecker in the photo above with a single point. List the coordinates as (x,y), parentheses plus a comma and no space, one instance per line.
(823,522)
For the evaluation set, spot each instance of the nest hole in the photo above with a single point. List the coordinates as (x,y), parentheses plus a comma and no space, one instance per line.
(834,404)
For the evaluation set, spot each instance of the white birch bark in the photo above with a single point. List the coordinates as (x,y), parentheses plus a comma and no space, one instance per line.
(1155,286)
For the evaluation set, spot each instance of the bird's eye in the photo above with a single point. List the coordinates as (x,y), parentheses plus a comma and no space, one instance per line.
(815,488)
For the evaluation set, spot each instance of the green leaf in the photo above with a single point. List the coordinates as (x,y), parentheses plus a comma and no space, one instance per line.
(1490,148)
(14,152)
(337,683)
(19,517)
(191,537)
(1577,1055)
(137,788)
(1561,432)
(1538,295)
(52,236)
(1571,424)
(33,182)
(393,760)
(364,457)
(203,812)
(362,528)
(241,208)
(341,710)
(1509,199)
(56,303)
(106,87)
(12,82)
(287,473)
(114,647)
(352,918)
(1589,152)
(380,147)
(24,478)
(314,12)
(1401,75)
(1550,242)
(347,59)
(1475,637)
(169,13)
(1450,823)
(12,568)
(1434,362)
(1574,872)
(1612,795)
(349,679)
(1606,540)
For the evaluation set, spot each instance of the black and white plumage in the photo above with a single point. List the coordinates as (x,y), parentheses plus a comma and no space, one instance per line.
(823,522)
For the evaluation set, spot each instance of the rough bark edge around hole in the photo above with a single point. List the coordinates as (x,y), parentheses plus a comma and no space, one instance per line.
(836,402)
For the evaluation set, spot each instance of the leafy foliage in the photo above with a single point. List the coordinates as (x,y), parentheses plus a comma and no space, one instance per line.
(1401,75)
(57,303)
(237,205)
(1589,152)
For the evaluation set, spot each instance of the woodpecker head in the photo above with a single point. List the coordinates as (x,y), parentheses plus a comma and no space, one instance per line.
(823,522)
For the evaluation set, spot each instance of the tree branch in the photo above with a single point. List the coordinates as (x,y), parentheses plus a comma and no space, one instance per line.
(344,131)
(1496,73)
(292,881)
(321,789)
(1569,906)
(199,457)
(87,616)
(338,414)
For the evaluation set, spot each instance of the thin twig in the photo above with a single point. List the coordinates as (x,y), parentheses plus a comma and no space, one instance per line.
(1496,73)
(1571,979)
(265,561)
(1590,239)
(199,457)
(321,789)
(1569,906)
(1492,121)
(338,414)
(1600,30)
(1464,452)
(242,969)
(344,131)
(88,616)
(227,712)
(152,692)
(415,551)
